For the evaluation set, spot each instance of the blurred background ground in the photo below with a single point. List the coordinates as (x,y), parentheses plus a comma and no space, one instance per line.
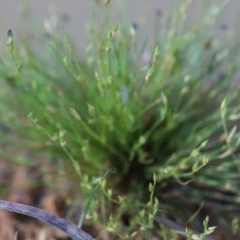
(77,14)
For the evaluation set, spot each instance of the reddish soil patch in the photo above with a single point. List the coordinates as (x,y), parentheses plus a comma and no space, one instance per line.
(25,185)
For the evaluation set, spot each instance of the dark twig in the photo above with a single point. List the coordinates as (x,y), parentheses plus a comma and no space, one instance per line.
(174,226)
(44,216)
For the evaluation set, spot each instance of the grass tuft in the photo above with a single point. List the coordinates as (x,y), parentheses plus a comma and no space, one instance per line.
(168,128)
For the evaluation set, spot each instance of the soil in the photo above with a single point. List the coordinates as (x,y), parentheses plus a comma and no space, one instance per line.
(24,185)
(34,181)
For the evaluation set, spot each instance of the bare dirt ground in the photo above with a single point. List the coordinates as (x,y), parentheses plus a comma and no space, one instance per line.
(24,185)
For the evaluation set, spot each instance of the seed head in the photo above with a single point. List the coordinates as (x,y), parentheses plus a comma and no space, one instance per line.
(9,33)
